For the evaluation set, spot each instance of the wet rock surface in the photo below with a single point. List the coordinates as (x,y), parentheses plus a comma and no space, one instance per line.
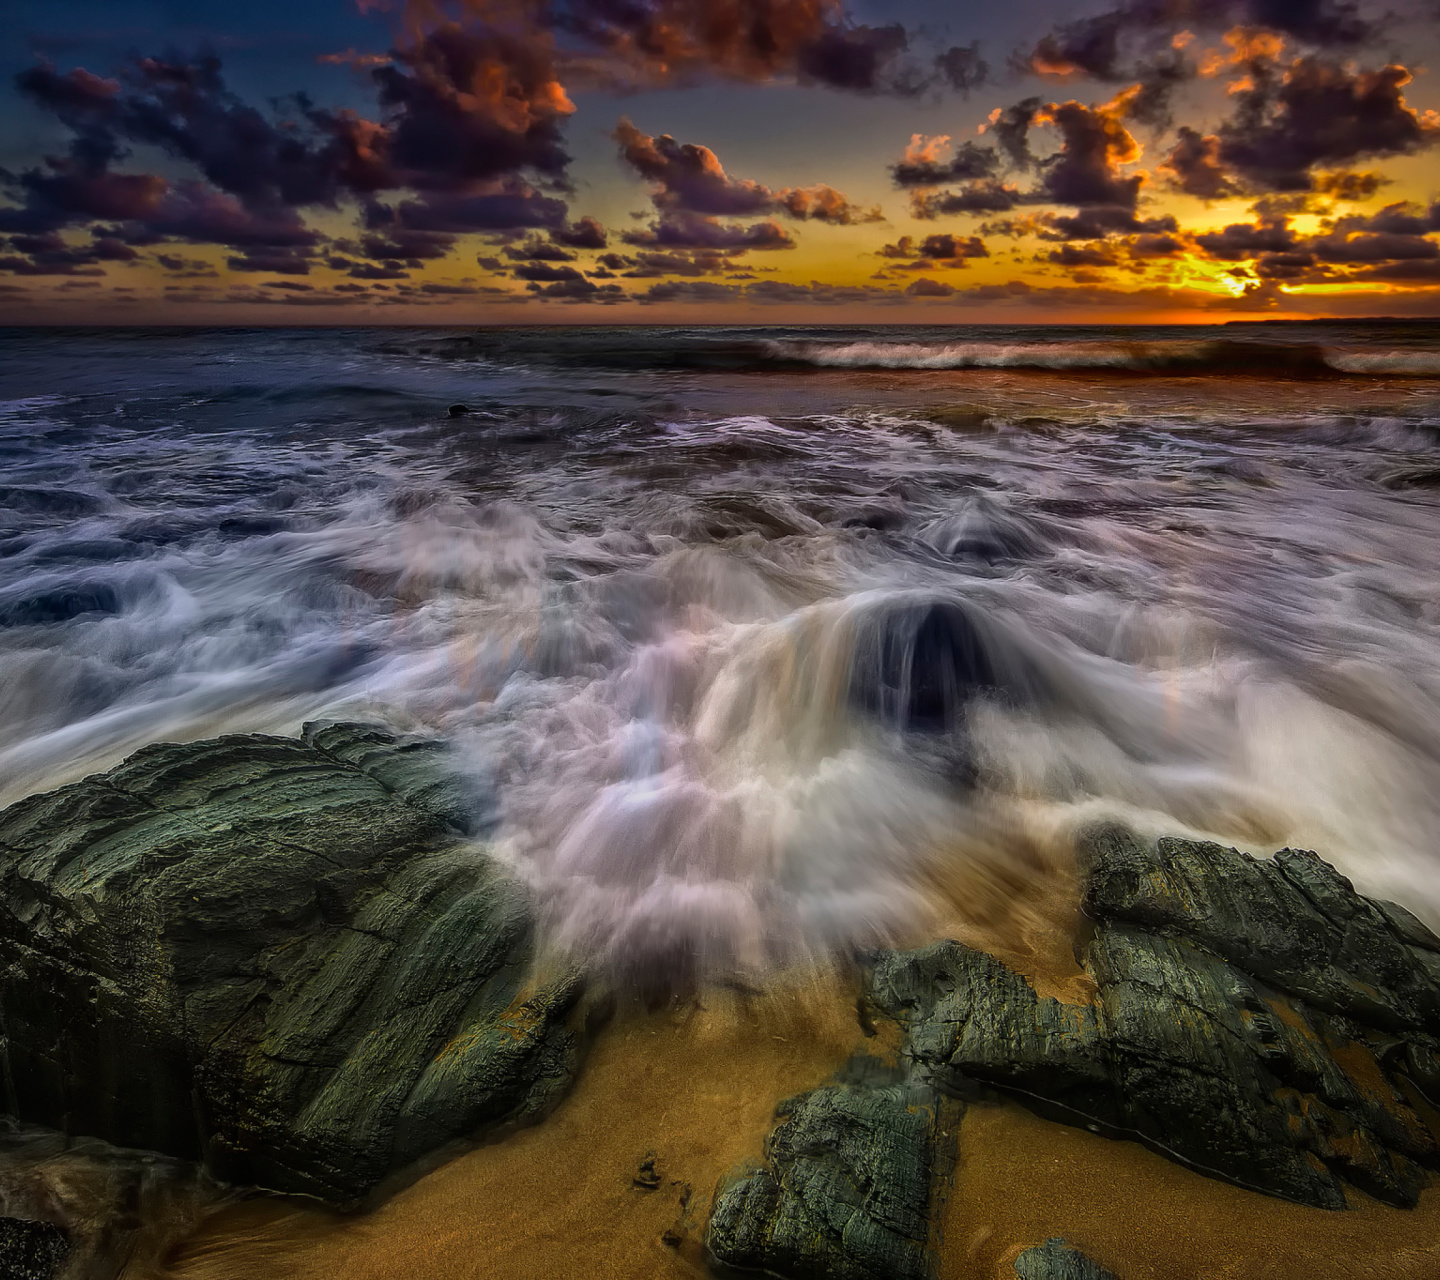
(278,957)
(1257,1020)
(31,1250)
(1056,1260)
(845,1192)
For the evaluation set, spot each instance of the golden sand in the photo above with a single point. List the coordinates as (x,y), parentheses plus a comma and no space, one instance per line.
(1020,1180)
(698,1087)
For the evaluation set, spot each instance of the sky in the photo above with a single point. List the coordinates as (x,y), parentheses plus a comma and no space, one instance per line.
(717,161)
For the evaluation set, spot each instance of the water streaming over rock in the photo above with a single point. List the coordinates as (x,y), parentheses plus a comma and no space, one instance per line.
(746,635)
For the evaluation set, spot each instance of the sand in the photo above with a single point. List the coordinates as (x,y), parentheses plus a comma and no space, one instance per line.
(697,1085)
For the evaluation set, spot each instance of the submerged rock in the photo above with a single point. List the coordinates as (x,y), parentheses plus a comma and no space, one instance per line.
(1056,1260)
(278,957)
(920,661)
(845,1192)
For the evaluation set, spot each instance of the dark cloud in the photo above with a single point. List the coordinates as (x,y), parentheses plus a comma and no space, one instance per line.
(693,231)
(537,251)
(585,234)
(697,262)
(1318,112)
(1089,255)
(989,196)
(928,288)
(463,113)
(943,248)
(688,178)
(461,106)
(962,67)
(1086,171)
(689,291)
(1247,240)
(928,162)
(657,42)
(1195,167)
(545,272)
(1135,41)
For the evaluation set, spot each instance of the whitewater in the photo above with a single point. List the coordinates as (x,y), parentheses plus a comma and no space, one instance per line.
(749,639)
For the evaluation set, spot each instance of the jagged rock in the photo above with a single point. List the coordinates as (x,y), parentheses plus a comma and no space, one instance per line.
(278,957)
(1291,920)
(1056,1260)
(1202,1042)
(31,1250)
(846,1190)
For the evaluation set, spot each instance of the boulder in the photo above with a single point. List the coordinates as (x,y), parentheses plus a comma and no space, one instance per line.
(1056,1260)
(282,958)
(1256,1020)
(845,1192)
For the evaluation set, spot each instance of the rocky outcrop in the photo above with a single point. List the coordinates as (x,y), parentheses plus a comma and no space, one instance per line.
(279,957)
(1056,1260)
(1257,1020)
(845,1192)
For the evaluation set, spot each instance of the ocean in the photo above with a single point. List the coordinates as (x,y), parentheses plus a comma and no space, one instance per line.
(746,636)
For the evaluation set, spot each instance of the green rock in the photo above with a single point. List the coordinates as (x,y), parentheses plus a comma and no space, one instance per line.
(1056,1260)
(845,1192)
(279,957)
(1202,1043)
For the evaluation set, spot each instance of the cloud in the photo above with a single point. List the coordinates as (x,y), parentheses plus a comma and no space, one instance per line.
(929,162)
(1319,112)
(1290,121)
(693,231)
(688,178)
(942,249)
(462,106)
(463,113)
(585,234)
(647,43)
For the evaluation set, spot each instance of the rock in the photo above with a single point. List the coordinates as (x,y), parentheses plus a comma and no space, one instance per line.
(278,957)
(1292,921)
(845,1192)
(1245,1022)
(457,410)
(31,1250)
(1056,1260)
(647,1177)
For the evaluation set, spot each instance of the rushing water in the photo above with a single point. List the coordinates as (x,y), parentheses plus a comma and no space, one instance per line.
(748,634)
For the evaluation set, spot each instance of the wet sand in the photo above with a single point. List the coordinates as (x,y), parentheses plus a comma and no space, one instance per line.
(698,1087)
(1020,1180)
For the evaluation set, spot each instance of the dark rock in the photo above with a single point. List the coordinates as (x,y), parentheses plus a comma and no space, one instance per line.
(277,957)
(1056,1260)
(917,663)
(1291,920)
(1194,1046)
(647,1177)
(457,410)
(31,1250)
(845,1192)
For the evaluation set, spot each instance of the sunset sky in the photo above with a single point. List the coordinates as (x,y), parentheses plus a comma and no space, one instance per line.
(658,161)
